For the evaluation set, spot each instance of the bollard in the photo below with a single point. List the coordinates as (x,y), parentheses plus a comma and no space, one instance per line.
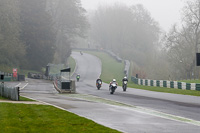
(171,84)
(158,83)
(146,82)
(151,82)
(188,86)
(198,87)
(179,85)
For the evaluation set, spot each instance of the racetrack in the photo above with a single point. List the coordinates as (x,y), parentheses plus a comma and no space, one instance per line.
(132,111)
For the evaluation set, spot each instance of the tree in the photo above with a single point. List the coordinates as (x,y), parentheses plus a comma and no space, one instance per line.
(12,50)
(182,43)
(130,32)
(69,21)
(37,33)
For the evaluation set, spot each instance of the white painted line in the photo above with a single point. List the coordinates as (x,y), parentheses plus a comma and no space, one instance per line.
(67,111)
(23,86)
(18,85)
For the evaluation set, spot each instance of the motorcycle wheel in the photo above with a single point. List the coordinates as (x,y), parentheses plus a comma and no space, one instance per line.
(124,88)
(112,91)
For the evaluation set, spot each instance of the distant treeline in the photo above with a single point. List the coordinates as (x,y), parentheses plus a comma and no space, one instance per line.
(36,32)
(131,33)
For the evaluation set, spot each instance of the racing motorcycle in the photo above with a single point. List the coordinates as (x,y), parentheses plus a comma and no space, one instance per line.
(124,86)
(78,77)
(99,83)
(112,88)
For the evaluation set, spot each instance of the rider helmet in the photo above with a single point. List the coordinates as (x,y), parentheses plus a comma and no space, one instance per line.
(114,80)
(125,77)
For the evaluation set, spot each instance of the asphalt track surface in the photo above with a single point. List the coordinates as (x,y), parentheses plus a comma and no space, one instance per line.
(133,111)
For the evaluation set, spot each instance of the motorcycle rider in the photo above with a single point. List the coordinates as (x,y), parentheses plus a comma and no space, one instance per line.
(81,52)
(78,77)
(124,83)
(125,79)
(98,82)
(113,81)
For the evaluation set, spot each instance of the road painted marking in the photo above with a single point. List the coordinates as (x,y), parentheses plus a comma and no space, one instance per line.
(23,86)
(18,85)
(136,108)
(49,104)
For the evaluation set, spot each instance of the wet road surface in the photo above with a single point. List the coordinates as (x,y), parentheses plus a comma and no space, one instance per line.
(134,111)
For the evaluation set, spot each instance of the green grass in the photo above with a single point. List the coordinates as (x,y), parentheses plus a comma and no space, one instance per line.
(55,69)
(21,99)
(190,81)
(25,118)
(2,98)
(25,99)
(111,69)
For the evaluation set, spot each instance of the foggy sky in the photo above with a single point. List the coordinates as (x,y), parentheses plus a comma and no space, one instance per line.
(166,12)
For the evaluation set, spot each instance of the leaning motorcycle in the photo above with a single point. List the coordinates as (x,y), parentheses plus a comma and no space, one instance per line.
(99,83)
(124,86)
(112,88)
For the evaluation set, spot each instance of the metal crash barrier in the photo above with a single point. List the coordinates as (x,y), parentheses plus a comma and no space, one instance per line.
(9,92)
(63,84)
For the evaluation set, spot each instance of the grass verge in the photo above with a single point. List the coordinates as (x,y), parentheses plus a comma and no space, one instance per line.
(43,119)
(2,98)
(190,81)
(25,99)
(111,69)
(21,98)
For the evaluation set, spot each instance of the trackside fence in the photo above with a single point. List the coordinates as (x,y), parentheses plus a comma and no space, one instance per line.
(167,84)
(9,92)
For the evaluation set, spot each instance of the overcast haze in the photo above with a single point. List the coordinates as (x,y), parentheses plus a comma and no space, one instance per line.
(166,12)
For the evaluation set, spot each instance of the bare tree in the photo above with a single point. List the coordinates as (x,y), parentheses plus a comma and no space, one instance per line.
(130,32)
(182,43)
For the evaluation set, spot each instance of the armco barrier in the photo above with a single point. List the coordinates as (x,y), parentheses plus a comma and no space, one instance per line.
(65,86)
(9,92)
(168,84)
(6,79)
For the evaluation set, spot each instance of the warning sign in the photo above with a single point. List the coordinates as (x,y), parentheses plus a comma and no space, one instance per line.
(14,72)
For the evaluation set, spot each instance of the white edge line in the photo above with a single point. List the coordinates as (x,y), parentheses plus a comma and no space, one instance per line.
(18,85)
